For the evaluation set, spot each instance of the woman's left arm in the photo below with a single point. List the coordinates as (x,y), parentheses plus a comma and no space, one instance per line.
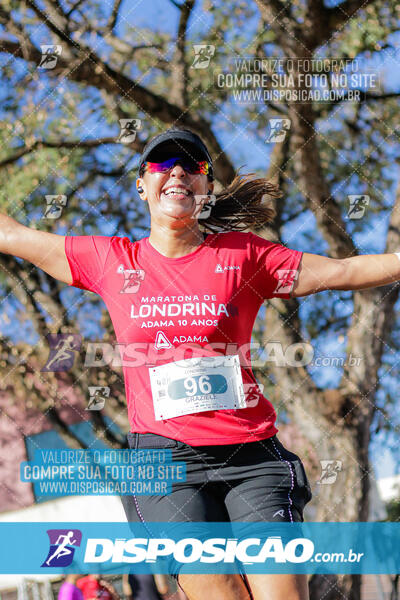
(318,273)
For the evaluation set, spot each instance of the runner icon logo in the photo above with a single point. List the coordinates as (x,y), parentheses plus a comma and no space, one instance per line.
(252,393)
(50,54)
(287,278)
(63,543)
(129,129)
(203,55)
(62,351)
(204,204)
(132,279)
(278,129)
(98,395)
(358,204)
(54,206)
(330,470)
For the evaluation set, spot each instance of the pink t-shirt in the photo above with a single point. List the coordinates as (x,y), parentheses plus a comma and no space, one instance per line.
(68,591)
(201,304)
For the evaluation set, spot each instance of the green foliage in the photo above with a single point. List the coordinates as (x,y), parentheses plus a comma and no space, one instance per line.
(368,32)
(393,510)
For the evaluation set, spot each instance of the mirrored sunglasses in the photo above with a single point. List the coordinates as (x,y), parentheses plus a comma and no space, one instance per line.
(191,166)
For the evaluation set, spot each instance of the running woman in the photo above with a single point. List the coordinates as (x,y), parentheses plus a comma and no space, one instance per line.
(193,289)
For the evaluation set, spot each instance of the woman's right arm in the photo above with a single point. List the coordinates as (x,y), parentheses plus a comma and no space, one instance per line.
(45,250)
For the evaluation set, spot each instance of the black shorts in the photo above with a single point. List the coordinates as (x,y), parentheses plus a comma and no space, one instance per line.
(256,481)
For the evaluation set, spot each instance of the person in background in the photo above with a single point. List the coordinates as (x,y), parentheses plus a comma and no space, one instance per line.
(94,587)
(68,590)
(145,586)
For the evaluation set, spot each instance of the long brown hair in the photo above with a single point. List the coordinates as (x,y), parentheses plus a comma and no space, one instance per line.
(242,205)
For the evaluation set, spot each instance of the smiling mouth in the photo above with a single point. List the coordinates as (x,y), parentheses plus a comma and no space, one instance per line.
(177,192)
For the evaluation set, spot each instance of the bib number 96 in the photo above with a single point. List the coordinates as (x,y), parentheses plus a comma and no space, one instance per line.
(185,387)
(202,384)
(197,385)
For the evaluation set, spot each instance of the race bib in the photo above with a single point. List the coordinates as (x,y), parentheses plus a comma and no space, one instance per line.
(192,385)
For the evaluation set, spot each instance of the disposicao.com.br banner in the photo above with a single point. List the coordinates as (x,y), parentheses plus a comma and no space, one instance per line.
(200,547)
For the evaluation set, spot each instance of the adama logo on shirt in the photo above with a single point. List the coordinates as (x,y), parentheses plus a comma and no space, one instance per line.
(220,269)
(162,341)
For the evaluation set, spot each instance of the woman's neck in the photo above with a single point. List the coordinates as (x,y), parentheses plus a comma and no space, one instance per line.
(175,243)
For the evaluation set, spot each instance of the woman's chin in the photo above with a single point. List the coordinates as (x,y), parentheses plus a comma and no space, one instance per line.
(177,210)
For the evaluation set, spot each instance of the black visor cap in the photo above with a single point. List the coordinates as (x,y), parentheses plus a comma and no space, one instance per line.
(176,142)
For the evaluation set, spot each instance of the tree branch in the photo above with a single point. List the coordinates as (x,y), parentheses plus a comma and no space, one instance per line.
(114,16)
(375,307)
(73,8)
(279,18)
(91,70)
(340,14)
(23,281)
(321,22)
(364,97)
(74,144)
(57,22)
(282,319)
(176,4)
(179,67)
(63,430)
